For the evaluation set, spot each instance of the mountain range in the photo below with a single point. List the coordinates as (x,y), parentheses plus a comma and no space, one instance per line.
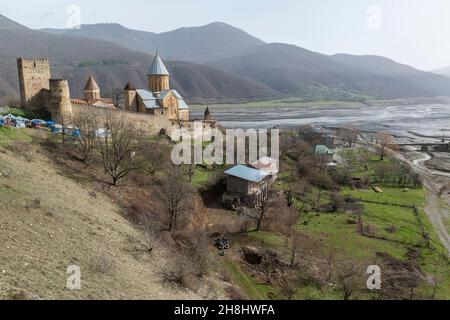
(442,71)
(216,62)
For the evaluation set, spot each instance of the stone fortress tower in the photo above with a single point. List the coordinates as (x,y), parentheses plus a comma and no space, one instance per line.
(38,89)
(34,75)
(60,101)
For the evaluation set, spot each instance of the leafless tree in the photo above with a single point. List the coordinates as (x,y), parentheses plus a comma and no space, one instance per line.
(117,96)
(295,235)
(191,168)
(384,141)
(152,156)
(175,196)
(364,158)
(118,146)
(263,205)
(349,278)
(349,134)
(152,234)
(336,201)
(87,123)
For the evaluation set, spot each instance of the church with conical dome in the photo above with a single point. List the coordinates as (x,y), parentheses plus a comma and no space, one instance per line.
(158,99)
(92,96)
(167,106)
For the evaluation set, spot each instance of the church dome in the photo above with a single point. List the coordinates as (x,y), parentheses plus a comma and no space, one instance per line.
(157,67)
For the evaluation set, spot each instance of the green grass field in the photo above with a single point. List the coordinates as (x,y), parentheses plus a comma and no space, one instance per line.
(8,135)
(338,234)
(201,178)
(248,283)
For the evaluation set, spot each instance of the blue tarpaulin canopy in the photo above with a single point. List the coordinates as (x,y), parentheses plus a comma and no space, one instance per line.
(38,121)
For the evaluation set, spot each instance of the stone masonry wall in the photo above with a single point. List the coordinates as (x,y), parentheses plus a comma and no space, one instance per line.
(34,75)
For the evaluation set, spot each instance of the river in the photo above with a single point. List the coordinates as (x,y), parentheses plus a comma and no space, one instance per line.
(409,123)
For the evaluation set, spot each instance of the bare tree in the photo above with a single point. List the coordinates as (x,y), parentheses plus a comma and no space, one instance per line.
(117,94)
(349,134)
(175,196)
(118,146)
(336,202)
(295,235)
(385,140)
(191,168)
(152,156)
(349,279)
(87,123)
(263,204)
(152,234)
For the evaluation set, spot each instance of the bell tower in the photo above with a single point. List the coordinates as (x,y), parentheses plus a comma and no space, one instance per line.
(158,76)
(91,90)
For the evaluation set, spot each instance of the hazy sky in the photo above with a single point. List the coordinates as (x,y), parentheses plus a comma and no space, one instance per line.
(415,32)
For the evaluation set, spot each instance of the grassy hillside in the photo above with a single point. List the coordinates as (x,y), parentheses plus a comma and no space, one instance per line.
(331,248)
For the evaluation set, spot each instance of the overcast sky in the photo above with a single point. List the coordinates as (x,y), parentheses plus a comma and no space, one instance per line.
(415,32)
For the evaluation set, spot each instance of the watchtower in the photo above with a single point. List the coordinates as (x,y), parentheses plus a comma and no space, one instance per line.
(60,102)
(34,75)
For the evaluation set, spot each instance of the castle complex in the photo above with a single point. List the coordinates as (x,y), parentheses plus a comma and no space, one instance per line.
(158,102)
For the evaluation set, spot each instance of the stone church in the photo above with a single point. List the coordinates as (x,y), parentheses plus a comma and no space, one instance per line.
(159,99)
(92,96)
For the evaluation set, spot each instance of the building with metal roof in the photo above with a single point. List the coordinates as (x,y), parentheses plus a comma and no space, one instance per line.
(321,149)
(246,186)
(246,173)
(324,154)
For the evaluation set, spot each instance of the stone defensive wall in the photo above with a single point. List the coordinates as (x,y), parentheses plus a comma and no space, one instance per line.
(150,124)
